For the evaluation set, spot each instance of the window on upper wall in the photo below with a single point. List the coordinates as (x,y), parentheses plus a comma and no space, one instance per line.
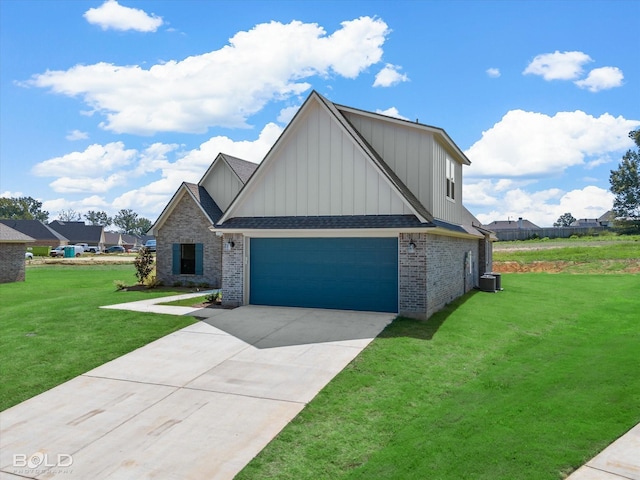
(451,179)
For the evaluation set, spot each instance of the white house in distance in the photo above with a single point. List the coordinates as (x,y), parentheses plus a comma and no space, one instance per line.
(349,210)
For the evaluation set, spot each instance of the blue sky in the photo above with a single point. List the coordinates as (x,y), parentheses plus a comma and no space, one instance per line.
(111,105)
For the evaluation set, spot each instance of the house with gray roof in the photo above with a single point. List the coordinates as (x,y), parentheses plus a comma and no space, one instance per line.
(79,232)
(41,234)
(349,209)
(13,245)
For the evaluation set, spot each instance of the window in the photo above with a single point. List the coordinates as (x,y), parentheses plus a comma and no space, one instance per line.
(187,258)
(451,179)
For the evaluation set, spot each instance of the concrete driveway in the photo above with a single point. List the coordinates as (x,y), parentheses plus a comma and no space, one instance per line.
(199,403)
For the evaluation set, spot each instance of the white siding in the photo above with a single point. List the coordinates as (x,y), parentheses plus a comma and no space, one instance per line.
(222,184)
(419,161)
(318,170)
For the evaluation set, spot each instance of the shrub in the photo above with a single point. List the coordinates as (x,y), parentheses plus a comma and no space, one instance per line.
(120,285)
(143,264)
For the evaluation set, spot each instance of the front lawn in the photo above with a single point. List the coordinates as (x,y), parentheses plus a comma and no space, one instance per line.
(527,383)
(52,330)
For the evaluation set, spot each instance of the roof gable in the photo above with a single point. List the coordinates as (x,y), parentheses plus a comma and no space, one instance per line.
(200,197)
(78,232)
(225,178)
(320,165)
(9,235)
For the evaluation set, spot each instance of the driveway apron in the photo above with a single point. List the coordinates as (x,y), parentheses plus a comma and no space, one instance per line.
(198,403)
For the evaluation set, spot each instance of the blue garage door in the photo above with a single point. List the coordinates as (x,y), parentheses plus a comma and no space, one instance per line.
(340,273)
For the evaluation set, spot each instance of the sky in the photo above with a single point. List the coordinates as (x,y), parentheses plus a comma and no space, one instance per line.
(110,105)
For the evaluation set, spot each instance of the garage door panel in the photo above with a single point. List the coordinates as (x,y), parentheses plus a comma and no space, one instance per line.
(343,273)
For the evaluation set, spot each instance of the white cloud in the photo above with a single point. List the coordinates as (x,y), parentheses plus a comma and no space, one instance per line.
(558,65)
(77,135)
(9,194)
(93,202)
(113,15)
(493,72)
(95,158)
(88,184)
(390,75)
(286,114)
(527,144)
(153,197)
(223,87)
(602,78)
(544,207)
(392,112)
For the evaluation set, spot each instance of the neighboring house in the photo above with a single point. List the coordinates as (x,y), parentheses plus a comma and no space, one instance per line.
(13,245)
(78,232)
(607,219)
(349,210)
(131,241)
(187,250)
(42,235)
(498,225)
(586,223)
(112,238)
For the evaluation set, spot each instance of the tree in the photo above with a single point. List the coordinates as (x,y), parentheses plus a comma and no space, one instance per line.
(69,216)
(98,218)
(625,183)
(564,220)
(126,220)
(129,222)
(22,208)
(144,224)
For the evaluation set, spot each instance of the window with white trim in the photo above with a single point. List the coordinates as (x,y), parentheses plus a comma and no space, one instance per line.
(451,179)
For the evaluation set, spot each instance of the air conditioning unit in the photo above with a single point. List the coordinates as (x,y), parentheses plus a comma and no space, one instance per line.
(488,283)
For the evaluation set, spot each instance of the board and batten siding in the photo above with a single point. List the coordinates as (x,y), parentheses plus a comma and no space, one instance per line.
(222,184)
(319,170)
(419,160)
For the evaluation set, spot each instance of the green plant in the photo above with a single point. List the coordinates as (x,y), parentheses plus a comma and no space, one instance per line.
(144,264)
(120,285)
(214,297)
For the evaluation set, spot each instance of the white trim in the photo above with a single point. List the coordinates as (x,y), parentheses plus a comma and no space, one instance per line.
(344,232)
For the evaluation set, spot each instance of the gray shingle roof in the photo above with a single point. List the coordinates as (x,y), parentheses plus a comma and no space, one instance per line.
(35,229)
(204,199)
(326,222)
(9,235)
(242,168)
(78,232)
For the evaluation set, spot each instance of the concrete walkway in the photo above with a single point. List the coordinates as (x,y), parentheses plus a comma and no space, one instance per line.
(619,461)
(198,403)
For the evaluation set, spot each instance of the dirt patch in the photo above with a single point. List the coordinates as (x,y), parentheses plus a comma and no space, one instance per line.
(602,266)
(516,267)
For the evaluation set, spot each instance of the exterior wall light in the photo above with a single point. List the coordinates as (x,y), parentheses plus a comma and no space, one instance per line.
(229,245)
(412,247)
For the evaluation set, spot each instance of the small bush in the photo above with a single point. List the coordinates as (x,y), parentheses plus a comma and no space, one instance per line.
(120,285)
(143,264)
(214,297)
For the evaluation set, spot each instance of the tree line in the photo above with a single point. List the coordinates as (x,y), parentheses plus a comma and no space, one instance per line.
(28,208)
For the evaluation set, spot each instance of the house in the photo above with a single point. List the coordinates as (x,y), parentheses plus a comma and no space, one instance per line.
(78,232)
(41,234)
(13,245)
(586,223)
(607,219)
(187,250)
(498,225)
(349,209)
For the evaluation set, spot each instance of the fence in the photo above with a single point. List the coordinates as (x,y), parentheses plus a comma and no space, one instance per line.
(551,232)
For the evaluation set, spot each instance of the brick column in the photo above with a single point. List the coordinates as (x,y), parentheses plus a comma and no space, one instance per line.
(233,270)
(413,275)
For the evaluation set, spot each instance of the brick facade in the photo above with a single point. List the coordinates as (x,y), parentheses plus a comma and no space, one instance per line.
(448,275)
(12,262)
(233,271)
(187,224)
(413,275)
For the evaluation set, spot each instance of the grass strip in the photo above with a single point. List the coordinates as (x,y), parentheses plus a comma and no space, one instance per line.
(527,383)
(52,329)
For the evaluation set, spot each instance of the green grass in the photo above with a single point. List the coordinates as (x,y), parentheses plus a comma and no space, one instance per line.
(52,330)
(577,253)
(527,383)
(186,302)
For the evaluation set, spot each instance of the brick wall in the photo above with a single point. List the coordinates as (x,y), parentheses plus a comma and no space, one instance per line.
(187,224)
(12,262)
(447,277)
(413,275)
(233,271)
